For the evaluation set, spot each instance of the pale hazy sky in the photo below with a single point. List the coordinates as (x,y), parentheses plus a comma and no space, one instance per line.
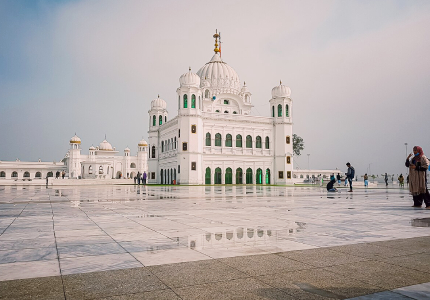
(359,72)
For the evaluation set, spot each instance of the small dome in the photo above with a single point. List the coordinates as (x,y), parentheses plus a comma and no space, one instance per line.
(105,145)
(75,140)
(142,143)
(127,149)
(281,91)
(158,103)
(92,148)
(189,79)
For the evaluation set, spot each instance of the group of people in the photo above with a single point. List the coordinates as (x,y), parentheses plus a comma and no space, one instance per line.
(140,178)
(418,165)
(349,177)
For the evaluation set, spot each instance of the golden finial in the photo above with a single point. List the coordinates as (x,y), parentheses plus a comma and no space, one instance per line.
(158,95)
(280,82)
(244,83)
(189,69)
(216,35)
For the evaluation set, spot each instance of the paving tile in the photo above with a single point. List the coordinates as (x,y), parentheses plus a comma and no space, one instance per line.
(44,288)
(418,291)
(383,275)
(192,273)
(168,256)
(318,284)
(419,262)
(110,283)
(11,256)
(322,257)
(154,295)
(412,245)
(89,250)
(31,269)
(86,264)
(264,264)
(382,296)
(371,251)
(244,288)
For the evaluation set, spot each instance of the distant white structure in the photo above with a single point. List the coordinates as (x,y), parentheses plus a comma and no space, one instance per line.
(103,161)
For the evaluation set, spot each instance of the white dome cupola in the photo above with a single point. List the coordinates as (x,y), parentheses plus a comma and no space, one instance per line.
(75,142)
(158,103)
(105,146)
(281,91)
(189,79)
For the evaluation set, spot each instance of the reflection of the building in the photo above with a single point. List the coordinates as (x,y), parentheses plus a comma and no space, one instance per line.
(240,236)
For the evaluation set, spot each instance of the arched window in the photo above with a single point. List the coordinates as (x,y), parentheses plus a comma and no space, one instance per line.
(26,174)
(162,177)
(258,142)
(267,176)
(207,94)
(193,101)
(154,120)
(286,110)
(132,165)
(174,145)
(160,120)
(208,139)
(165,119)
(239,141)
(249,176)
(273,111)
(162,146)
(90,170)
(217,110)
(217,176)
(218,139)
(228,176)
(226,112)
(279,110)
(50,174)
(208,176)
(185,101)
(101,170)
(301,176)
(259,176)
(239,176)
(153,151)
(234,113)
(248,141)
(228,140)
(267,144)
(2,174)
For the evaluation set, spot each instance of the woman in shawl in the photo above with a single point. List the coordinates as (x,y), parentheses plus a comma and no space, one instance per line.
(418,177)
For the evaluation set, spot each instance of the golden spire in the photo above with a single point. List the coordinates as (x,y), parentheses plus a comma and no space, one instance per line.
(216,35)
(280,82)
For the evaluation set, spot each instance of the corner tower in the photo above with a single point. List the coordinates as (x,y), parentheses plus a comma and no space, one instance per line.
(281,112)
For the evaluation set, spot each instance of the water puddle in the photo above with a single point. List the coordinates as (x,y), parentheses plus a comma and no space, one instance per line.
(423,222)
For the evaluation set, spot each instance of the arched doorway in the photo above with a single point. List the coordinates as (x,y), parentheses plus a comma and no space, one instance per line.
(249,176)
(239,179)
(259,176)
(26,174)
(218,176)
(162,177)
(208,176)
(228,176)
(267,176)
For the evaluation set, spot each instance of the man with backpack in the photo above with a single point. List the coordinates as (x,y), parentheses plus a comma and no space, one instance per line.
(350,174)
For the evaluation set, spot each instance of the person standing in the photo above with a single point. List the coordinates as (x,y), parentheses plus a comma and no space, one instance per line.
(138,178)
(350,174)
(386,179)
(338,179)
(366,180)
(401,181)
(144,178)
(418,177)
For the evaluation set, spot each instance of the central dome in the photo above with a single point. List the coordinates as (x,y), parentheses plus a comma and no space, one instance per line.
(221,77)
(105,145)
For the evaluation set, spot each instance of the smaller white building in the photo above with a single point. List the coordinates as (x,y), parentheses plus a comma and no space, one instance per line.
(104,162)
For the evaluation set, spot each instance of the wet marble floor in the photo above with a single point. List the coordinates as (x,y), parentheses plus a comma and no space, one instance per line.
(63,231)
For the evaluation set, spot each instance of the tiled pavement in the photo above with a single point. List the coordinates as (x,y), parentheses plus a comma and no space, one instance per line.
(211,243)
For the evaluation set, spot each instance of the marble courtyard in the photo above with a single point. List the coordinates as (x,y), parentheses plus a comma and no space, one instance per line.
(211,242)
